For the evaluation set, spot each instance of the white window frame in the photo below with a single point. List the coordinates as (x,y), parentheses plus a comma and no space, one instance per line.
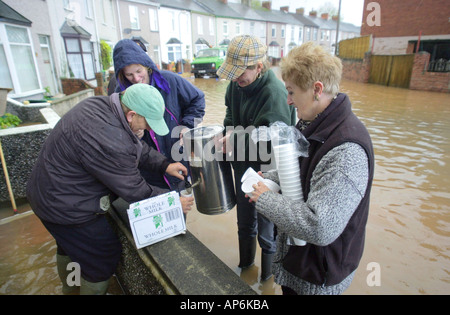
(211,26)
(175,51)
(225,28)
(134,14)
(153,19)
(199,25)
(15,79)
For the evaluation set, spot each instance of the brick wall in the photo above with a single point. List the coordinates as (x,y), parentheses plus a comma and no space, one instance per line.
(421,79)
(71,85)
(357,70)
(408,18)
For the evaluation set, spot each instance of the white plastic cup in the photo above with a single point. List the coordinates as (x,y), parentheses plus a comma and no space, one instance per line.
(291,191)
(285,147)
(250,172)
(247,185)
(291,181)
(186,192)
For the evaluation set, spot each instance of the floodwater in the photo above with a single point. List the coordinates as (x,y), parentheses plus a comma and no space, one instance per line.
(407,242)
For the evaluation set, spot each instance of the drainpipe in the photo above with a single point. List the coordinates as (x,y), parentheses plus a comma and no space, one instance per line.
(418,42)
(337,30)
(120,21)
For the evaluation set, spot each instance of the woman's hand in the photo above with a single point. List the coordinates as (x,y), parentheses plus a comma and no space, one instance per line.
(139,133)
(186,203)
(259,188)
(175,168)
(226,143)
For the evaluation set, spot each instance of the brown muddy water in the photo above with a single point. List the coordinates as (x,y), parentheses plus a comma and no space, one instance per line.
(408,232)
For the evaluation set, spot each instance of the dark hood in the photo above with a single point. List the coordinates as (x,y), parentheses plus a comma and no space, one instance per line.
(127,52)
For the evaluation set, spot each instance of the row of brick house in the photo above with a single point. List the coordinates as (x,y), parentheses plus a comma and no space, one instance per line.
(42,42)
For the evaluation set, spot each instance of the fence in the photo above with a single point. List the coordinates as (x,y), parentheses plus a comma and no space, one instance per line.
(354,48)
(391,70)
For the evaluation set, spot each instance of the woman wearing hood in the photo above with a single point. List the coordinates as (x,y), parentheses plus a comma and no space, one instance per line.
(185,104)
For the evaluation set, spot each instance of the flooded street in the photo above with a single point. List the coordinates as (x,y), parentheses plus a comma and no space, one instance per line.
(408,232)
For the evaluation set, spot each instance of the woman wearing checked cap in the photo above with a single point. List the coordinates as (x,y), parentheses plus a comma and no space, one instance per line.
(254,97)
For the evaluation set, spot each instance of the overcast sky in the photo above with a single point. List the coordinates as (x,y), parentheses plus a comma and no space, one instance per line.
(351,10)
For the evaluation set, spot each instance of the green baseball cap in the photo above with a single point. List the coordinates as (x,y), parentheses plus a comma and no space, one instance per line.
(146,101)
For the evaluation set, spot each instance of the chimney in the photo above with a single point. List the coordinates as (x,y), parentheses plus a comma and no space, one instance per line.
(335,18)
(324,16)
(313,13)
(284,9)
(300,11)
(224,1)
(267,5)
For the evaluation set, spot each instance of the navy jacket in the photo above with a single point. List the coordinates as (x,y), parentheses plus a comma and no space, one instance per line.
(184,104)
(89,155)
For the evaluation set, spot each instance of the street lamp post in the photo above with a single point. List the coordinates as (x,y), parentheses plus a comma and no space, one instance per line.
(337,29)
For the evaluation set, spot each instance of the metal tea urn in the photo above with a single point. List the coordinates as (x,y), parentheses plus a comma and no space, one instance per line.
(212,179)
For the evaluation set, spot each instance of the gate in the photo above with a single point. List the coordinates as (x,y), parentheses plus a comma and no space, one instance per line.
(391,70)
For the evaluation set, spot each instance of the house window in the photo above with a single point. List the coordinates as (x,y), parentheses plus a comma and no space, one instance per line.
(153,16)
(225,28)
(211,26)
(283,31)
(156,58)
(274,30)
(80,55)
(238,28)
(199,25)
(274,51)
(174,52)
(20,73)
(87,6)
(134,17)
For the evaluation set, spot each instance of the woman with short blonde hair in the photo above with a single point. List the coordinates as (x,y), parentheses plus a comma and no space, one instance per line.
(336,178)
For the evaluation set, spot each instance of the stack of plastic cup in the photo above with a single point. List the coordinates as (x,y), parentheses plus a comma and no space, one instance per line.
(288,166)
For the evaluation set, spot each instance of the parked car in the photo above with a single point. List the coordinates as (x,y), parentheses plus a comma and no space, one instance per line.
(207,61)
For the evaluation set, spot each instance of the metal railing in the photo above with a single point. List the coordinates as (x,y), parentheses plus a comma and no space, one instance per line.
(440,65)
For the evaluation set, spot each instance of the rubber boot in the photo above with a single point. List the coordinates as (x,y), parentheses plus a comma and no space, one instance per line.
(247,250)
(266,266)
(93,288)
(61,266)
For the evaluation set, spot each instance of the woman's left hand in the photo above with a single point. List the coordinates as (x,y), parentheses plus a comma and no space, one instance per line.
(177,170)
(259,188)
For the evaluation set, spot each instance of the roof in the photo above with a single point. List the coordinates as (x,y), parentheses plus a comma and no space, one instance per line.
(9,15)
(187,5)
(246,12)
(220,9)
(72,28)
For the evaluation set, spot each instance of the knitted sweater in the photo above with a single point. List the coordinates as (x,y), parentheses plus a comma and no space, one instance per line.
(337,186)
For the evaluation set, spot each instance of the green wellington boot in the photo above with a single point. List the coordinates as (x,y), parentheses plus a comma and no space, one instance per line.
(93,288)
(61,266)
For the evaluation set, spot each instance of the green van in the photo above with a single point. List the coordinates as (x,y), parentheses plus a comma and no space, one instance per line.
(207,61)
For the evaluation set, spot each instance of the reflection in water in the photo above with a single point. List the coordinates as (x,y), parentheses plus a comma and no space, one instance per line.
(409,223)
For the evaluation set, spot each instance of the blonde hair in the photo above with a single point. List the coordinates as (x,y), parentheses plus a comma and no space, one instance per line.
(310,63)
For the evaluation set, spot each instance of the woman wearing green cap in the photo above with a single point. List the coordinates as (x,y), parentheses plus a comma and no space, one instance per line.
(91,156)
(254,97)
